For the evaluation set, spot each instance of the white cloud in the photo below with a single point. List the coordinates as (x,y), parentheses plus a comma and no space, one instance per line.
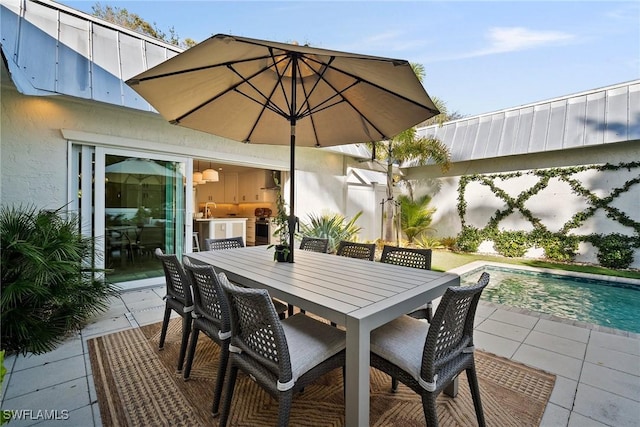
(511,39)
(518,38)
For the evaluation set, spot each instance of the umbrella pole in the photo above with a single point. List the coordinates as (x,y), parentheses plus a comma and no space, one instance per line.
(292,188)
(292,154)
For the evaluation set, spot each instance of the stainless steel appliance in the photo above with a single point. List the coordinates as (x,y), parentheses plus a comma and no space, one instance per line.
(263,230)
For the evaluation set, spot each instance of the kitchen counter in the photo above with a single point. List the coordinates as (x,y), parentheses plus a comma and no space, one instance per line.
(220,228)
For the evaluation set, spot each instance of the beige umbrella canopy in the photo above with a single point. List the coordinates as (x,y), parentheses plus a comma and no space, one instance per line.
(264,92)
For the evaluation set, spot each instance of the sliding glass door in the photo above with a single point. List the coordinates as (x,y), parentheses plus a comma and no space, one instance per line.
(138,203)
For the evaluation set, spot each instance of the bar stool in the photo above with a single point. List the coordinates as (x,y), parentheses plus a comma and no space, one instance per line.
(196,242)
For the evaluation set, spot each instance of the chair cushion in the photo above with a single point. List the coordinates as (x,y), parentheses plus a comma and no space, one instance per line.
(310,342)
(401,342)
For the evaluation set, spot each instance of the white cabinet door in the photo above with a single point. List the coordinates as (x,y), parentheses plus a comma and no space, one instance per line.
(246,184)
(211,191)
(251,232)
(231,187)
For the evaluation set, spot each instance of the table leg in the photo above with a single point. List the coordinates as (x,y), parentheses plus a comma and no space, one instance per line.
(357,375)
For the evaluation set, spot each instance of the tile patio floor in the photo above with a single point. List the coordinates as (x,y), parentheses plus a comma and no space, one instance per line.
(598,372)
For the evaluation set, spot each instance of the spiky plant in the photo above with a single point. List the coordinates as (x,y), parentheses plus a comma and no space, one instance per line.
(415,216)
(332,226)
(49,285)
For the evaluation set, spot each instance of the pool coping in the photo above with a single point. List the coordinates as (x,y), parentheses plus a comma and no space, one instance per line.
(478,265)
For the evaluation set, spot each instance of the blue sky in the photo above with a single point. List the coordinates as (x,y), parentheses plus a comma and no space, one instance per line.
(479,56)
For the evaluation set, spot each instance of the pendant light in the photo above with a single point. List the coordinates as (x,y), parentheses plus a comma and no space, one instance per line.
(197,176)
(210,175)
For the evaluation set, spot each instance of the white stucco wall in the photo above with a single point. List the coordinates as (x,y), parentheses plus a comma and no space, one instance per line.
(555,205)
(33,152)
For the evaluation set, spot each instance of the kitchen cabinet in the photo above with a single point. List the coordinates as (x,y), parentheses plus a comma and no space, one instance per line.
(221,228)
(211,191)
(252,186)
(231,187)
(251,231)
(225,190)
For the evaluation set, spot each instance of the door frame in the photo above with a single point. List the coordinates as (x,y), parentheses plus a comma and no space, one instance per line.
(89,161)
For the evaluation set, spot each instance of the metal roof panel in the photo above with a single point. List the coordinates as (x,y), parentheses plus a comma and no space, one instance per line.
(74,66)
(604,115)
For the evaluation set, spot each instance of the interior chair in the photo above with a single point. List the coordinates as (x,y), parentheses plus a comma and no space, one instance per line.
(281,356)
(356,250)
(428,357)
(178,299)
(415,258)
(211,316)
(236,242)
(225,243)
(314,244)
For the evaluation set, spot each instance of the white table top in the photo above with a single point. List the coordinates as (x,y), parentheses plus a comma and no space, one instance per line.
(358,294)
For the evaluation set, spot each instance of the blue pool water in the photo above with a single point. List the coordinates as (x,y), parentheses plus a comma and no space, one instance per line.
(593,301)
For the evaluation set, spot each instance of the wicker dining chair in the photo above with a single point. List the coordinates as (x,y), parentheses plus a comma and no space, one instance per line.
(237,242)
(415,258)
(224,243)
(427,357)
(281,356)
(314,244)
(357,250)
(178,299)
(211,316)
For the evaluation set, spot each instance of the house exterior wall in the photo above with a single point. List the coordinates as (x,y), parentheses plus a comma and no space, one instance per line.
(34,149)
(555,205)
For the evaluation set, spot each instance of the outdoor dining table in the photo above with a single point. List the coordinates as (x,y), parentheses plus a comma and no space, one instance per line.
(357,294)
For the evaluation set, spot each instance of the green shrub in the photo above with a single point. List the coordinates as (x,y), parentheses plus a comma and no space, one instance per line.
(448,242)
(468,239)
(511,244)
(4,416)
(49,286)
(332,226)
(559,247)
(614,250)
(427,242)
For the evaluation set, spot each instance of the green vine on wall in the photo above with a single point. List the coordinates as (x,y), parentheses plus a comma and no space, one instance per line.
(560,245)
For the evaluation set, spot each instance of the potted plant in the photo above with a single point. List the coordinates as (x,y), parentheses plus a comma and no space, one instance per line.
(281,223)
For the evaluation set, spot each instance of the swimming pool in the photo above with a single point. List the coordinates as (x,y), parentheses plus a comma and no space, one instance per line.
(604,303)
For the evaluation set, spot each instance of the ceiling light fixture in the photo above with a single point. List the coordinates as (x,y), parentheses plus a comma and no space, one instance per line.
(197,176)
(210,175)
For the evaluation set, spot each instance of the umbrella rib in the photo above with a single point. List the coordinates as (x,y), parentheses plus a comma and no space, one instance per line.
(382,88)
(315,84)
(271,105)
(132,82)
(339,93)
(268,104)
(229,89)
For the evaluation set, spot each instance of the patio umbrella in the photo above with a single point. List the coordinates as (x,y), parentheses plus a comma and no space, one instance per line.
(264,92)
(139,169)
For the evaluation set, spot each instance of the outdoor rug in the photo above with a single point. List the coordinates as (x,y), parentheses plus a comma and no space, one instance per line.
(138,385)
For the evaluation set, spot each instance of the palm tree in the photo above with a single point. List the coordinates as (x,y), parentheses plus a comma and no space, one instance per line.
(407,146)
(415,216)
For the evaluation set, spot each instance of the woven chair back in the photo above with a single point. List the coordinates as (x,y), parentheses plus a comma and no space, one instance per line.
(314,244)
(407,257)
(228,243)
(357,250)
(209,299)
(178,285)
(451,329)
(256,329)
